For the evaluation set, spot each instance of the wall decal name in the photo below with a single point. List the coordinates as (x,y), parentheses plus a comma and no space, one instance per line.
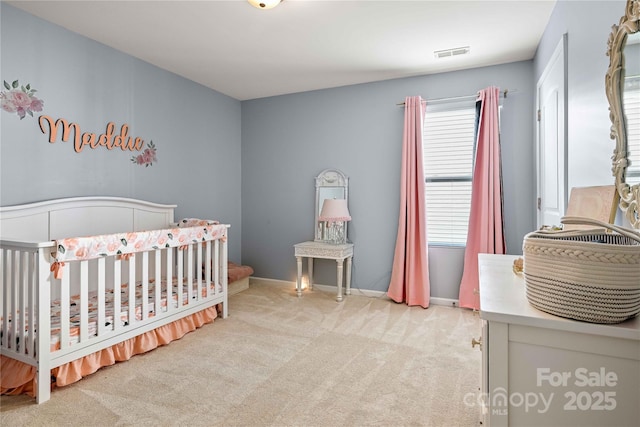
(108,139)
(21,99)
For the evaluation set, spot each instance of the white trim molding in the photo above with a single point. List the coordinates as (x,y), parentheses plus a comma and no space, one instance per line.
(354,291)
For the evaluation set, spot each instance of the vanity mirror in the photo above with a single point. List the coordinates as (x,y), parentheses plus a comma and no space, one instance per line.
(622,84)
(330,233)
(330,184)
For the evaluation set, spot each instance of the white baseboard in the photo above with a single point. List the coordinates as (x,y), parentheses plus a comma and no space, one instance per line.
(354,291)
(272,282)
(444,301)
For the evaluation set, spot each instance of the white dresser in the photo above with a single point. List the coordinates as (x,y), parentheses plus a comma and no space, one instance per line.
(542,370)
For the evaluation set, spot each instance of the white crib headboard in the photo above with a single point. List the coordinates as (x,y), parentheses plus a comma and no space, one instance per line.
(81,216)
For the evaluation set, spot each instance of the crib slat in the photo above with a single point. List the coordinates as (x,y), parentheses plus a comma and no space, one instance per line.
(180,275)
(145,286)
(64,307)
(190,274)
(43,323)
(31,302)
(132,291)
(14,303)
(22,301)
(100,327)
(84,301)
(158,282)
(224,256)
(216,273)
(4,295)
(10,300)
(10,290)
(9,306)
(169,281)
(198,268)
(207,268)
(117,300)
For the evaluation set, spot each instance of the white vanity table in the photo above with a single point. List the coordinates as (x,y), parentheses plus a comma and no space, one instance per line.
(330,184)
(542,370)
(338,253)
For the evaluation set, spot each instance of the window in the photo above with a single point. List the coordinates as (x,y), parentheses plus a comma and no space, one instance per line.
(448,154)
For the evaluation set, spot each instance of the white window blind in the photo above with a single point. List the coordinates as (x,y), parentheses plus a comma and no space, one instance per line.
(631,102)
(448,153)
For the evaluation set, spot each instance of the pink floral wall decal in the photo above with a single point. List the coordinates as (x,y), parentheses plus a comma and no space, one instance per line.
(147,157)
(20,99)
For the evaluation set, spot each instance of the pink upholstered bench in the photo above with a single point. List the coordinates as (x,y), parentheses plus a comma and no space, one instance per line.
(238,277)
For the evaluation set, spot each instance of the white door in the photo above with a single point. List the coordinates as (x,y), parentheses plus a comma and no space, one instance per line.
(551,140)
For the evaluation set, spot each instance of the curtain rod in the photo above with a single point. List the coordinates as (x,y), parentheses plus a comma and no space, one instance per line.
(454,98)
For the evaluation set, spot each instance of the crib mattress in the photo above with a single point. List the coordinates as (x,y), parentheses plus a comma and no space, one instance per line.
(123,316)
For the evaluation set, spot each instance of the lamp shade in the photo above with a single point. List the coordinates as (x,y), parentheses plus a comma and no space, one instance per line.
(264,4)
(334,210)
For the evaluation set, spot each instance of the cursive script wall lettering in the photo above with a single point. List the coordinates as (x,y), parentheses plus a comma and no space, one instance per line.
(107,139)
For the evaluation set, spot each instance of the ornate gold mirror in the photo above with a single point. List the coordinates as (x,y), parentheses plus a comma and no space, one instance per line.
(622,84)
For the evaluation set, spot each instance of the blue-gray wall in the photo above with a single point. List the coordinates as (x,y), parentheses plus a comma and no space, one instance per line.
(287,140)
(195,129)
(587,25)
(216,154)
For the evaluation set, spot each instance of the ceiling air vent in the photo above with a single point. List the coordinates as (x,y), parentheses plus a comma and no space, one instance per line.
(447,53)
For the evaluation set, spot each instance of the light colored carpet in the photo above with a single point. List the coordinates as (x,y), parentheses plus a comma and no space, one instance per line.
(280,360)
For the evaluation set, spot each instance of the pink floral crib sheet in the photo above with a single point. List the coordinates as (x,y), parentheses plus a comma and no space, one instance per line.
(124,308)
(75,305)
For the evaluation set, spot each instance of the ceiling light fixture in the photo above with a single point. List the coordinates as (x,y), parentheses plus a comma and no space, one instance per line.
(452,52)
(264,4)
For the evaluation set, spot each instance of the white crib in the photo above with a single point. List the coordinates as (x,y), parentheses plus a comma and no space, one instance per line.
(103,294)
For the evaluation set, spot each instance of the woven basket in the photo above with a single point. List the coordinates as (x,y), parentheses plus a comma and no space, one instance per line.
(588,275)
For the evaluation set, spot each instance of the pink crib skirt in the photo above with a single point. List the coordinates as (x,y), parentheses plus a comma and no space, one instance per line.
(19,378)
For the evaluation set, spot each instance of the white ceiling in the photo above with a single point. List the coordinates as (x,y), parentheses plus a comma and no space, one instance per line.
(302,45)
